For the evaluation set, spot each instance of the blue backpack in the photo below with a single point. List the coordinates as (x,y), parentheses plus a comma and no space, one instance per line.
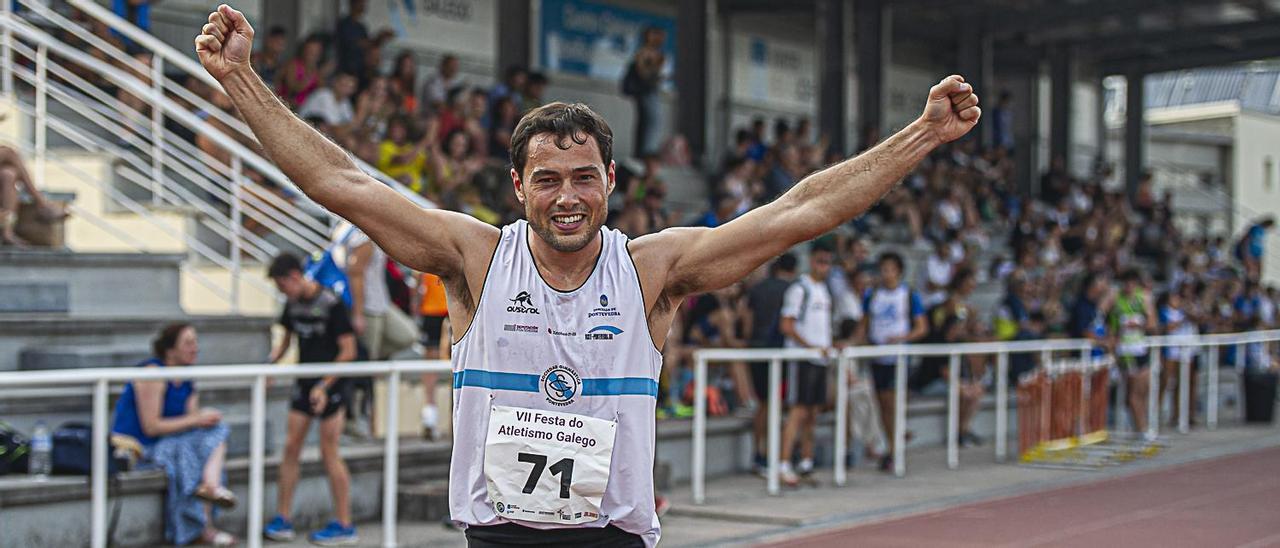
(325,271)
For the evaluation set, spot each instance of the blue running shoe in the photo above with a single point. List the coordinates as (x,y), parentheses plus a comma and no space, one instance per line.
(334,534)
(279,529)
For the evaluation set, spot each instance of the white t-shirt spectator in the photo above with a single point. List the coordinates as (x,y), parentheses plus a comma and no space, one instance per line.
(324,104)
(809,302)
(376,297)
(437,88)
(938,271)
(950,214)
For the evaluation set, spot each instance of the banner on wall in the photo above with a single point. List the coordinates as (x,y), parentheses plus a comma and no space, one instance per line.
(463,27)
(774,73)
(596,40)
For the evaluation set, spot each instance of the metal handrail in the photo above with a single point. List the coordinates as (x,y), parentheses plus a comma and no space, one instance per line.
(848,357)
(194,69)
(101,378)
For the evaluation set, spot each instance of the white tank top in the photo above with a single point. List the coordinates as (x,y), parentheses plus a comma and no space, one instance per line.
(522,330)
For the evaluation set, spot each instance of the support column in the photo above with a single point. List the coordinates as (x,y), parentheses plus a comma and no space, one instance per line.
(974,60)
(870,36)
(692,19)
(514,36)
(1135,131)
(833,81)
(1024,91)
(1060,78)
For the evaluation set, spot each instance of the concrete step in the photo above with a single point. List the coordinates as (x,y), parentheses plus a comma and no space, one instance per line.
(423,501)
(80,356)
(223,339)
(89,284)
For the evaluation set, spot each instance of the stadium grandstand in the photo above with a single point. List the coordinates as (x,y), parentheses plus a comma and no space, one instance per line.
(879,310)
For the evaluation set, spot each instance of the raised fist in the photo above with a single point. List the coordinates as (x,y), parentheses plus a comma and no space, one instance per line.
(225,42)
(952,109)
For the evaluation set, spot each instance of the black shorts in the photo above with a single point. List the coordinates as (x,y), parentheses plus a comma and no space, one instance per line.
(885,376)
(760,380)
(429,330)
(1133,363)
(510,534)
(300,401)
(806,383)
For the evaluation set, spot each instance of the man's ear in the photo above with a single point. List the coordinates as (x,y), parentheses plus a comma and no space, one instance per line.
(611,176)
(516,184)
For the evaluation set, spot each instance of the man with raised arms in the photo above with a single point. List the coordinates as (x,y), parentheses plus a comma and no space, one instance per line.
(558,321)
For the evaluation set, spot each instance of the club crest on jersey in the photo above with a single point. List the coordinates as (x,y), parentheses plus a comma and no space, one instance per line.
(560,384)
(604,309)
(602,333)
(522,304)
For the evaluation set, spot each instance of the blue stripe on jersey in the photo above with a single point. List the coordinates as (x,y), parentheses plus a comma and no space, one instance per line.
(495,380)
(620,386)
(523,382)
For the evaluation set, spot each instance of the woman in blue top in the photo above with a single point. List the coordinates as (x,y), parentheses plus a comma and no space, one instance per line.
(187,441)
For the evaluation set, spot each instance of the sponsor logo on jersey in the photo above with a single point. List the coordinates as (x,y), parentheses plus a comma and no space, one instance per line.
(604,310)
(560,384)
(518,328)
(522,304)
(559,333)
(602,333)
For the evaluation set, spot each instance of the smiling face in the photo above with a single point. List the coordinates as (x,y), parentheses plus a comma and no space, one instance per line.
(565,191)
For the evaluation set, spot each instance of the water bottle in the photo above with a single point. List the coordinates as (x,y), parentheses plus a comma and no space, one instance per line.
(41,461)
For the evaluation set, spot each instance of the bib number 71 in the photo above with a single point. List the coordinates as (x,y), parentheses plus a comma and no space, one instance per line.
(562,468)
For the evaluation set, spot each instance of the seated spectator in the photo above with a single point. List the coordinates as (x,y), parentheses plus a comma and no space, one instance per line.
(404,83)
(13,174)
(302,74)
(506,113)
(511,87)
(332,103)
(402,159)
(535,90)
(374,108)
(186,440)
(455,167)
(954,321)
(444,81)
(268,60)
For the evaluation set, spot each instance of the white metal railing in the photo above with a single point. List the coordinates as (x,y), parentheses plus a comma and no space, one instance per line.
(151,156)
(258,374)
(848,357)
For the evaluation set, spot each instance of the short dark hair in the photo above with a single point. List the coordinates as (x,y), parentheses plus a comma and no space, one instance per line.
(276,30)
(785,263)
(1130,275)
(894,258)
(283,265)
(576,122)
(167,338)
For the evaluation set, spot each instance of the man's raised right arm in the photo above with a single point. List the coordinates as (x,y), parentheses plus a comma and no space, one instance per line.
(426,240)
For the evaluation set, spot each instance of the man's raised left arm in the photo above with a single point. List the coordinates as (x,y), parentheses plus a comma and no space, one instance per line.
(704,259)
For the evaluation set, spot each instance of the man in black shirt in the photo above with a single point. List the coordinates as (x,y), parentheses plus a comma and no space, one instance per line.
(765,301)
(320,320)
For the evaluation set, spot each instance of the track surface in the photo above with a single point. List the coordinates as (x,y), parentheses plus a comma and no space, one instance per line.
(1231,501)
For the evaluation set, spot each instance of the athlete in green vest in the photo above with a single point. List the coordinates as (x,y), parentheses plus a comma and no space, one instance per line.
(1131,318)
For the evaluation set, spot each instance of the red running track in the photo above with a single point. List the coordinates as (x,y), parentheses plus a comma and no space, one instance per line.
(1229,501)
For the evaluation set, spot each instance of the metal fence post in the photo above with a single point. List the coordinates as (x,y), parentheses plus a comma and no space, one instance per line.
(99,466)
(1002,406)
(157,129)
(257,458)
(391,461)
(775,422)
(42,113)
(1184,391)
(699,463)
(1153,393)
(1242,366)
(6,65)
(1211,371)
(842,419)
(236,225)
(900,416)
(953,411)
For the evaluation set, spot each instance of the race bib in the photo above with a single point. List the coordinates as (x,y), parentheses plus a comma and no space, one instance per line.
(547,466)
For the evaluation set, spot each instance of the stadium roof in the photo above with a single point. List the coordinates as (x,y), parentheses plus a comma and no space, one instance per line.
(1116,36)
(1252,88)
